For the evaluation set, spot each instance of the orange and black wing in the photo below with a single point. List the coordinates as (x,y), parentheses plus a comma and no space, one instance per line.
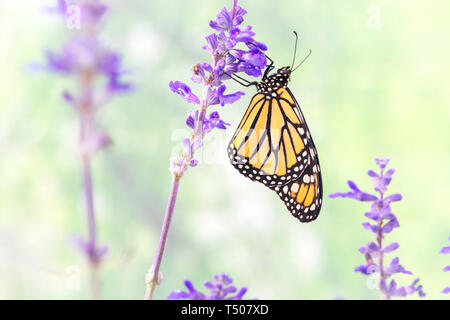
(303,196)
(270,144)
(273,145)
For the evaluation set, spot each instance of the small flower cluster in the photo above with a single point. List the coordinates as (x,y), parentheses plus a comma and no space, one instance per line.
(384,221)
(227,59)
(220,289)
(446,250)
(85,57)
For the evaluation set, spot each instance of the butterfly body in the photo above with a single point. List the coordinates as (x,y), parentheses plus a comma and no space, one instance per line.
(273,145)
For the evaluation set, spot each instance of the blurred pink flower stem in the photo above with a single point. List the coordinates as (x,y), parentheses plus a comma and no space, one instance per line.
(97,70)
(154,277)
(90,216)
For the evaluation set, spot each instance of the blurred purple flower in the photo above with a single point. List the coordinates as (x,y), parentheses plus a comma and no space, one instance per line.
(91,11)
(95,254)
(97,71)
(220,288)
(384,222)
(87,55)
(446,250)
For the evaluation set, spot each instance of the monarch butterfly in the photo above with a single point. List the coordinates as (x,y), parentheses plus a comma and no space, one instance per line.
(273,145)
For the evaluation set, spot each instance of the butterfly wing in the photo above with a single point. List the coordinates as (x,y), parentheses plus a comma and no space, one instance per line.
(273,145)
(270,144)
(303,196)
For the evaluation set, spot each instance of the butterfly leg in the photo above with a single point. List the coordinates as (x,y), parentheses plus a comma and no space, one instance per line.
(246,84)
(269,67)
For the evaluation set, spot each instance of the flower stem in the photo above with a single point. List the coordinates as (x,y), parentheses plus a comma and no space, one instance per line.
(153,277)
(90,216)
(86,121)
(380,245)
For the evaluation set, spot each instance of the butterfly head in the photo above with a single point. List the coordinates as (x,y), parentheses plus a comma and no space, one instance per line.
(270,84)
(285,74)
(285,71)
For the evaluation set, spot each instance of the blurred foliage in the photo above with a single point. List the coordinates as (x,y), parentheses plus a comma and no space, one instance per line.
(366,92)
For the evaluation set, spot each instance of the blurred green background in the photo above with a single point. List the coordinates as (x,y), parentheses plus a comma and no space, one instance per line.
(375,86)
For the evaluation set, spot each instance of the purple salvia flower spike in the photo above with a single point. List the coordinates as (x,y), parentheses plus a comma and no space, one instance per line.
(98,72)
(229,40)
(385,221)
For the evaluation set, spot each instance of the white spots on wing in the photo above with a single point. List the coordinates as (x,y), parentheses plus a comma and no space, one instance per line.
(306,178)
(295,187)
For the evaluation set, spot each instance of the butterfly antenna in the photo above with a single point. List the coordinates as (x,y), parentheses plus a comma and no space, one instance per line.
(295,49)
(304,59)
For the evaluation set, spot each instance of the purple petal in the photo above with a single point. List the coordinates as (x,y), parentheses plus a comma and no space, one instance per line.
(445,250)
(240,294)
(393,246)
(393,197)
(192,119)
(446,290)
(193,163)
(370,227)
(228,98)
(184,91)
(209,285)
(367,269)
(372,173)
(373,247)
(178,294)
(447,268)
(255,58)
(212,42)
(189,286)
(382,162)
(387,228)
(224,21)
(68,96)
(372,215)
